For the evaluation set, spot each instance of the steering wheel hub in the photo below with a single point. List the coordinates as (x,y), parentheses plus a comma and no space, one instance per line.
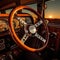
(32,29)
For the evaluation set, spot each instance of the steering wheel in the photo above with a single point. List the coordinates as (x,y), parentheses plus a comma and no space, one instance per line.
(30,32)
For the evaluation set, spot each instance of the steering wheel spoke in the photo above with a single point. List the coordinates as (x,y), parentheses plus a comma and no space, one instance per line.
(24,38)
(40,37)
(22,21)
(38,23)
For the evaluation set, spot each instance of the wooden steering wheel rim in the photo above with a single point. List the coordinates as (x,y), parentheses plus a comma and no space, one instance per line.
(15,37)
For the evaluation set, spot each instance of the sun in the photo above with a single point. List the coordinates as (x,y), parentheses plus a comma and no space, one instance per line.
(50,16)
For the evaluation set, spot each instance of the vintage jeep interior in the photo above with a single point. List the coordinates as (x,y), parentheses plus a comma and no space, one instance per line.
(25,34)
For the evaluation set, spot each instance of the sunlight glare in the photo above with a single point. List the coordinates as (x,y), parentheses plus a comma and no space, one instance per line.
(50,16)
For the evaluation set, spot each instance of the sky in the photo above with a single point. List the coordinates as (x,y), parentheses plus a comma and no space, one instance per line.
(53,9)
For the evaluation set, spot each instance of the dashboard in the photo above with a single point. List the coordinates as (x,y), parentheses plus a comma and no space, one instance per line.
(8,48)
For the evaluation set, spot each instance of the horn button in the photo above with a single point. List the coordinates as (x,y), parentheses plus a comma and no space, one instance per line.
(32,29)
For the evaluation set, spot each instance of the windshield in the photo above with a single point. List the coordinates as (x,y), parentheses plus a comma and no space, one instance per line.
(52,10)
